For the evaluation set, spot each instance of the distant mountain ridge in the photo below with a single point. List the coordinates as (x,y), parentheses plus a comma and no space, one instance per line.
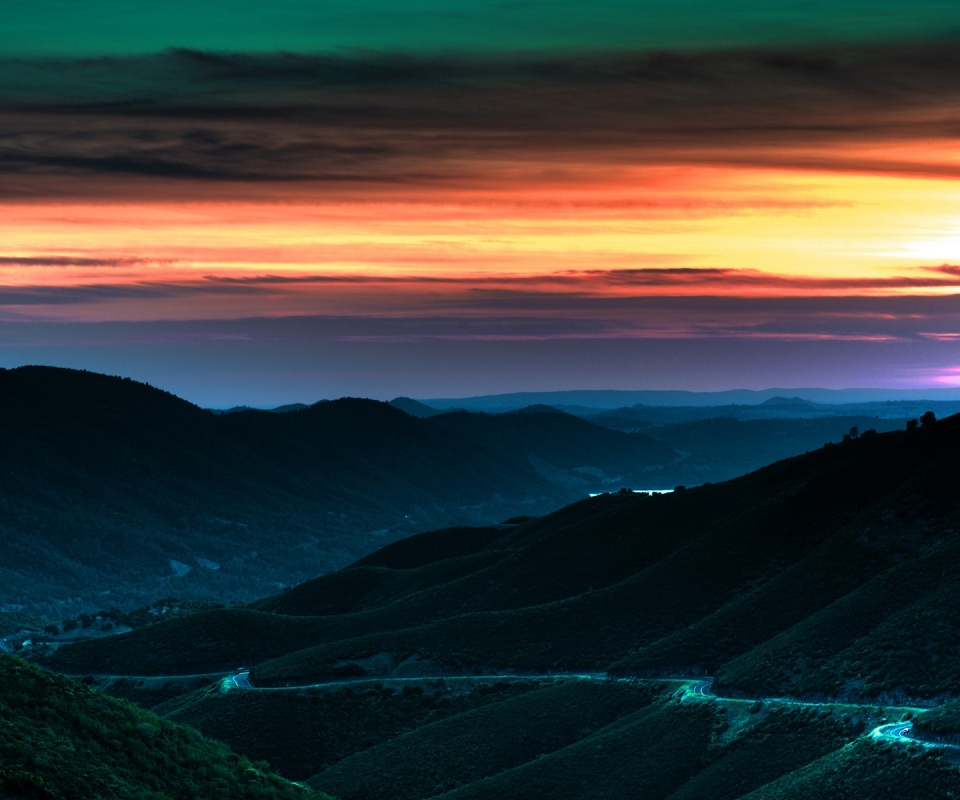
(609,399)
(788,402)
(414,408)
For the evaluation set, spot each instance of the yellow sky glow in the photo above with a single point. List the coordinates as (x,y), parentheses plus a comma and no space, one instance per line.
(793,223)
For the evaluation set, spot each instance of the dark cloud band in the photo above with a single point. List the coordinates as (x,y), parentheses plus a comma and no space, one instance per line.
(365,119)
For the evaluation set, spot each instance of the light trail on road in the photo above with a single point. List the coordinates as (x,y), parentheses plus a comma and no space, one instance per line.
(689,689)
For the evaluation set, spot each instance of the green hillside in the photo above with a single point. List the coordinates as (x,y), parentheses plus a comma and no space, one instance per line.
(60,740)
(301,733)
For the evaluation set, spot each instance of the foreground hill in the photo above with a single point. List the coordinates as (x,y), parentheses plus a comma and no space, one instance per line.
(574,738)
(60,740)
(831,577)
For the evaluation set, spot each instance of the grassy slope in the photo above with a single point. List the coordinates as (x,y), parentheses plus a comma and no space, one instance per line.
(60,740)
(751,587)
(485,741)
(765,745)
(940,724)
(301,733)
(866,769)
(664,749)
(889,635)
(652,750)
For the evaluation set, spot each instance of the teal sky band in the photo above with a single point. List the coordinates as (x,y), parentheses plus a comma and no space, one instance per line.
(118,27)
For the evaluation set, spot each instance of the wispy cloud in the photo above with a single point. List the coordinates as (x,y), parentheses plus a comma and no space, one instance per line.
(537,291)
(74,261)
(734,281)
(647,304)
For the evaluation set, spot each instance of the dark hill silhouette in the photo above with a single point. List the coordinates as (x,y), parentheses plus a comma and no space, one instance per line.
(413,407)
(108,481)
(117,493)
(43,390)
(789,403)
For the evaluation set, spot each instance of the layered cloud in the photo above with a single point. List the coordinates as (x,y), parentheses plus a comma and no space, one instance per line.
(655,303)
(195,122)
(616,283)
(59,262)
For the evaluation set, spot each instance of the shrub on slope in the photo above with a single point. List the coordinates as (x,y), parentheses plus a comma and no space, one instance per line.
(302,732)
(866,769)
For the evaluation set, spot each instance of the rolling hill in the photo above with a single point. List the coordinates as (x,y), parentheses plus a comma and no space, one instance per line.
(830,577)
(117,494)
(815,561)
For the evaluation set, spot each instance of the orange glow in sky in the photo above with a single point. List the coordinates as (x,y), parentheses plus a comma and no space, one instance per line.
(774,232)
(362,222)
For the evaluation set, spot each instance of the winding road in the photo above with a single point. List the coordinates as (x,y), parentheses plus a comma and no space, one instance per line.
(241,680)
(699,688)
(901,733)
(703,689)
(688,688)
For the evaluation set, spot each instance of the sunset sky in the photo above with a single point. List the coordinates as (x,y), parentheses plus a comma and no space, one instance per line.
(251,203)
